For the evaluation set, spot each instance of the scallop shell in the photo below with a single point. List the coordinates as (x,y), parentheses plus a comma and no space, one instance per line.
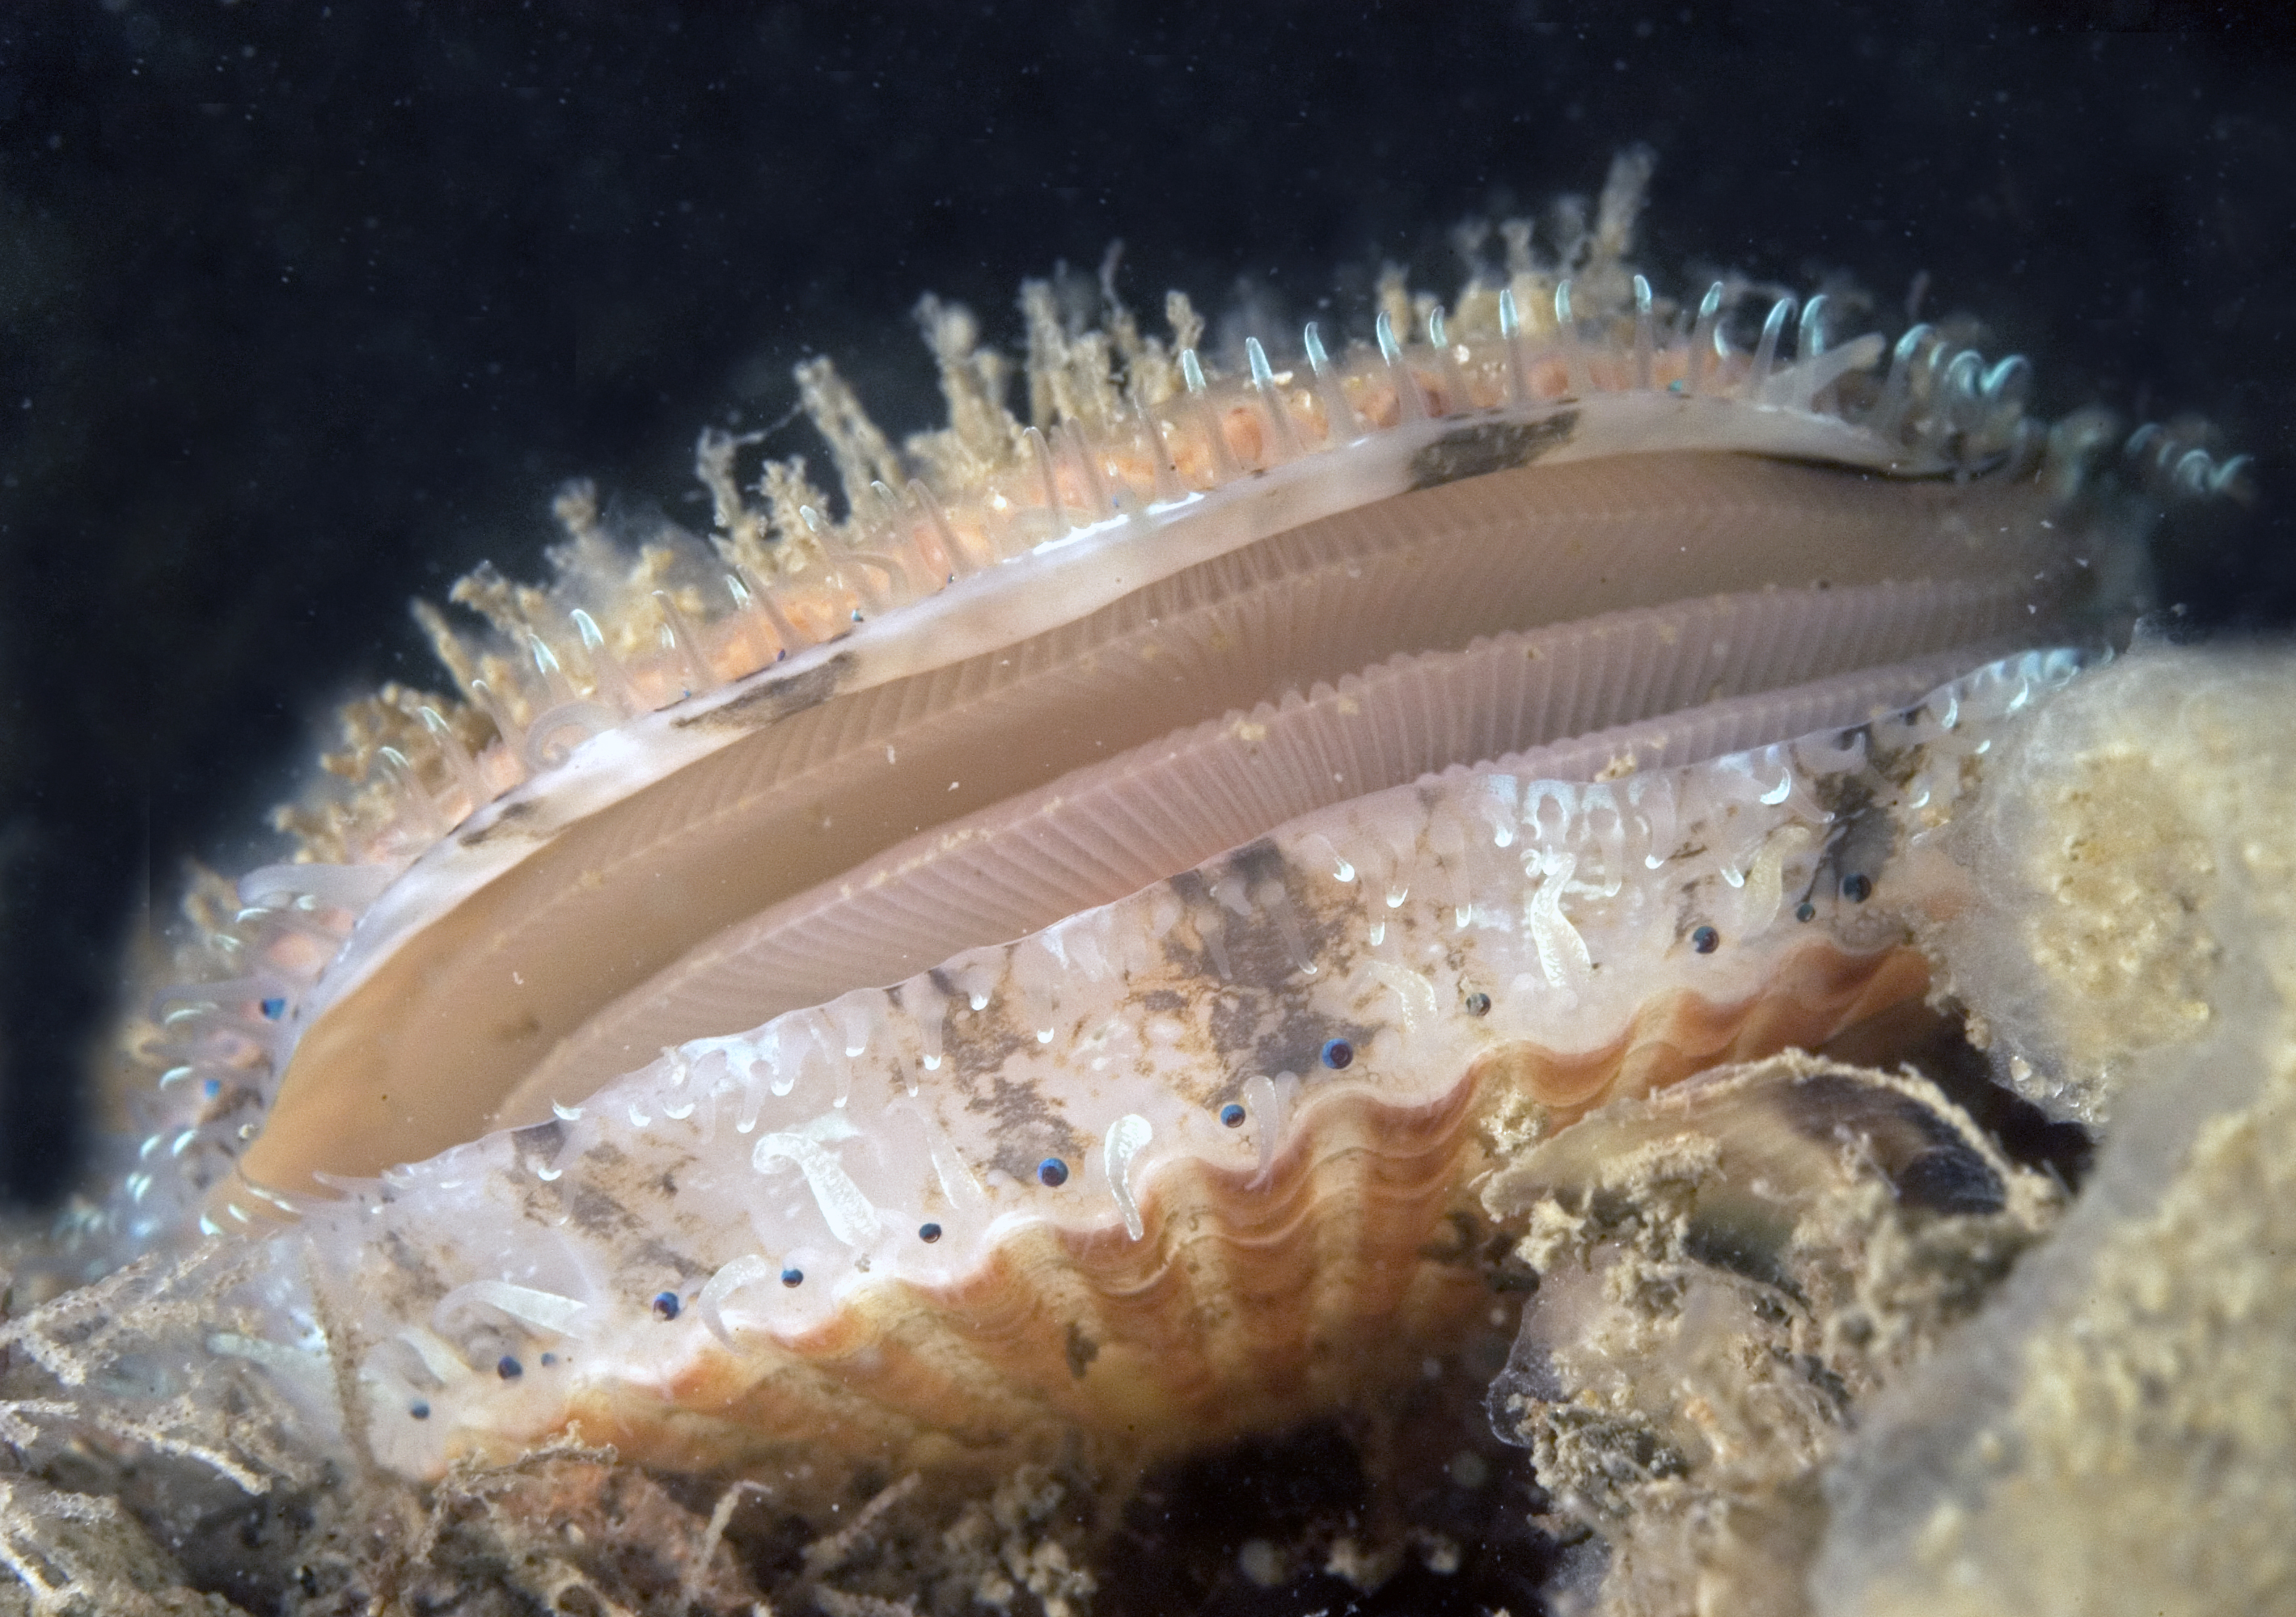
(1373,759)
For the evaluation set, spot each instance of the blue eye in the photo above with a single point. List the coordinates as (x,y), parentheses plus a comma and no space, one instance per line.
(929,1233)
(509,1369)
(1805,911)
(1052,1174)
(665,1305)
(1232,1115)
(792,1276)
(1705,940)
(1338,1053)
(1479,1004)
(1857,889)
(419,1409)
(274,1009)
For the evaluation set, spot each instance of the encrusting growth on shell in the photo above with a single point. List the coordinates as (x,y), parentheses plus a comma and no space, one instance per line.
(1728,1272)
(2113,956)
(2114,1432)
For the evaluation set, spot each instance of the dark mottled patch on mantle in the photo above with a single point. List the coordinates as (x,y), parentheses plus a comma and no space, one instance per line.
(509,818)
(775,700)
(1489,446)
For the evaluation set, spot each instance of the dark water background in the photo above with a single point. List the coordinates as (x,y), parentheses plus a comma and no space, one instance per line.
(305,309)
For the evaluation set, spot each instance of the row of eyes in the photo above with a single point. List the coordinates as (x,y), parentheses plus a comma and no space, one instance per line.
(1053,1172)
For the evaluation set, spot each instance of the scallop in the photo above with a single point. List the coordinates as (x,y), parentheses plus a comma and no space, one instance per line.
(1042,957)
